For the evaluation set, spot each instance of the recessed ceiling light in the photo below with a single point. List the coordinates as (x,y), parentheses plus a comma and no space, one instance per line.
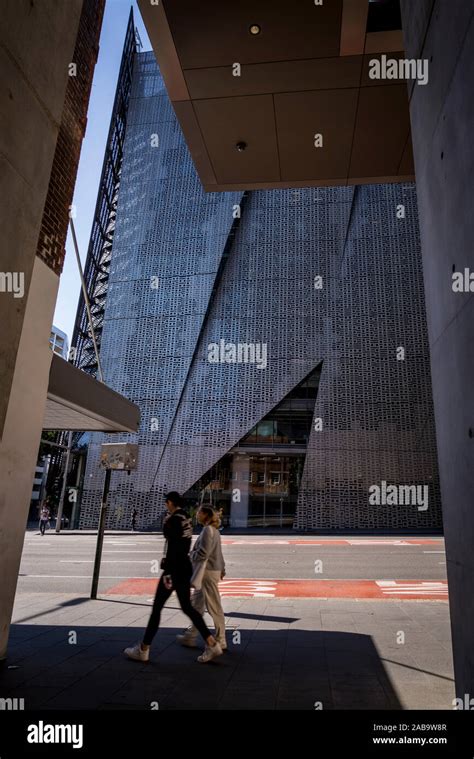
(241,146)
(255,29)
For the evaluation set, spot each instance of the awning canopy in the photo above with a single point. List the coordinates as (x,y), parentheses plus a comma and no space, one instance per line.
(277,94)
(77,401)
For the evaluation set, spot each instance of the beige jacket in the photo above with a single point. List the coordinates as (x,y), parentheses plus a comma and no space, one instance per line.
(207,548)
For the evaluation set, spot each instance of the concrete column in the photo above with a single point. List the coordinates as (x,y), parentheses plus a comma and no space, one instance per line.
(442,117)
(22,433)
(37,43)
(239,509)
(31,102)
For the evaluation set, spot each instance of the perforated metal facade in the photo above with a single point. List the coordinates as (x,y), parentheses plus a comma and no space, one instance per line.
(331,274)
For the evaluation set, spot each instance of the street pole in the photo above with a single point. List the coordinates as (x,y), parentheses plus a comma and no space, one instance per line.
(100,534)
(59,515)
(80,467)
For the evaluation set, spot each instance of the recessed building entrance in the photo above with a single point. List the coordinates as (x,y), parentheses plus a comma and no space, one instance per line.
(256,483)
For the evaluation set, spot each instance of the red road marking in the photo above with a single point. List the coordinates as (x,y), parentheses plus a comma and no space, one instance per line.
(377,589)
(347,542)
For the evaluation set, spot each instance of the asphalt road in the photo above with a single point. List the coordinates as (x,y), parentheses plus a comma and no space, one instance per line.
(64,563)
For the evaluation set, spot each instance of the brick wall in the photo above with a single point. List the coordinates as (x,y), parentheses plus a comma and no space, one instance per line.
(54,225)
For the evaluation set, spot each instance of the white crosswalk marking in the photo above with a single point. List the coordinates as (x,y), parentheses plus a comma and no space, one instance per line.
(379,543)
(419,588)
(259,542)
(252,588)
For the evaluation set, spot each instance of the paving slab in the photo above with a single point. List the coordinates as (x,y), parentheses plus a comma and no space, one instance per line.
(283,654)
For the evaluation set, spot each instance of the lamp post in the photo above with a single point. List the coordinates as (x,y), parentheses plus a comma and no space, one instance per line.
(122,456)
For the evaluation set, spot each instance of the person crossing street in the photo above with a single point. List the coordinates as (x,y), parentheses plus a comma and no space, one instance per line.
(177,572)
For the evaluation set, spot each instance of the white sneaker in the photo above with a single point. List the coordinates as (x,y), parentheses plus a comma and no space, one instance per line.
(137,653)
(187,640)
(209,653)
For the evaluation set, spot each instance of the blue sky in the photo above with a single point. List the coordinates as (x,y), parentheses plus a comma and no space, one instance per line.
(93,147)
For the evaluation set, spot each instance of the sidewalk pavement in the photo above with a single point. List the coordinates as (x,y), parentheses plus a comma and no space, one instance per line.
(283,654)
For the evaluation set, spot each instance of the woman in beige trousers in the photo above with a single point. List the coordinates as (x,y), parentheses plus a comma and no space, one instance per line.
(208,569)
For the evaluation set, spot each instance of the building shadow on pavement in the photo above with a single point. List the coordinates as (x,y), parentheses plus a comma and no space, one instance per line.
(263,669)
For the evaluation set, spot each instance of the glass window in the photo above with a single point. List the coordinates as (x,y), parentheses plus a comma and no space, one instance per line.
(265,430)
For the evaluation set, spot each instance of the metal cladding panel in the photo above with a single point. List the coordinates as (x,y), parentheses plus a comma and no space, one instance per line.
(317,274)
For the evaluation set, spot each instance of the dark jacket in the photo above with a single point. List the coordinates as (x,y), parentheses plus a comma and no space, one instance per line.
(178,531)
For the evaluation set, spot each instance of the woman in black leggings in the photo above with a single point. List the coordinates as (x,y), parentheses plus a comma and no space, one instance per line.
(177,530)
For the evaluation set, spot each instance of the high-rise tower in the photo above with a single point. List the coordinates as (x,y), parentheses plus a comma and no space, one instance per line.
(275,342)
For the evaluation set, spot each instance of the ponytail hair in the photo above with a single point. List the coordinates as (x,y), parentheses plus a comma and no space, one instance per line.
(212,518)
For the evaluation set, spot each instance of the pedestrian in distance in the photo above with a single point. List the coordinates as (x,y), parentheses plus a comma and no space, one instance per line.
(177,572)
(208,569)
(45,516)
(134,519)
